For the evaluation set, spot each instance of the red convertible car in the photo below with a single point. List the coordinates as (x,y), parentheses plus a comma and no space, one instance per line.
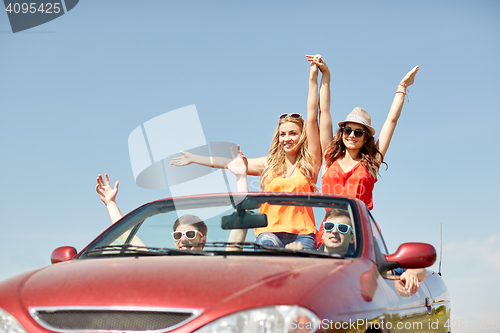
(184,265)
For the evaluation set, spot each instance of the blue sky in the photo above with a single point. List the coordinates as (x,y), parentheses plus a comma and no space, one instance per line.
(73,89)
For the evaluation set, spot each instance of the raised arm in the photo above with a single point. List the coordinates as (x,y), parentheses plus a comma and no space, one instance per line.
(312,128)
(255,165)
(326,135)
(387,131)
(239,167)
(108,196)
(325,118)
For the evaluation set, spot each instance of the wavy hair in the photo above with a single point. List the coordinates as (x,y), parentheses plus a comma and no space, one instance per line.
(371,157)
(276,159)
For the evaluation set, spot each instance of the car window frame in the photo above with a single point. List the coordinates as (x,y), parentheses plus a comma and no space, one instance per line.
(375,229)
(167,205)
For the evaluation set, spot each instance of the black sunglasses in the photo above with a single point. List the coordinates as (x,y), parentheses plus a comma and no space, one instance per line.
(341,227)
(291,115)
(358,132)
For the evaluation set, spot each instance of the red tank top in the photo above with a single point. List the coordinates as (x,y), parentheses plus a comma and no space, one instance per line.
(357,182)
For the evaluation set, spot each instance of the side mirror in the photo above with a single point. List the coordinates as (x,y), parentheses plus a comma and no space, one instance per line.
(63,253)
(412,255)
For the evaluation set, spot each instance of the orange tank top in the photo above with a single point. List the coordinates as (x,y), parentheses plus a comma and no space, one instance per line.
(292,219)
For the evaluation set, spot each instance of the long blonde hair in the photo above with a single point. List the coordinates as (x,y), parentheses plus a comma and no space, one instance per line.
(276,159)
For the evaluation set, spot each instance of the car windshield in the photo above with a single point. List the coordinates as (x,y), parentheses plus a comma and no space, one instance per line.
(224,225)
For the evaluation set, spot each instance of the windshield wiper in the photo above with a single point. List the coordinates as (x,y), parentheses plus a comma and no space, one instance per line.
(127,250)
(266,249)
(259,249)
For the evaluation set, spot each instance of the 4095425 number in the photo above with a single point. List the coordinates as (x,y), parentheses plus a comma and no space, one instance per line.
(46,8)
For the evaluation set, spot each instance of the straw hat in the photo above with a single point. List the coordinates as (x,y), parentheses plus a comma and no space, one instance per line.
(359,116)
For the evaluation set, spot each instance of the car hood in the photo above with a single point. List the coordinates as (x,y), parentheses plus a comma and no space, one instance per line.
(199,282)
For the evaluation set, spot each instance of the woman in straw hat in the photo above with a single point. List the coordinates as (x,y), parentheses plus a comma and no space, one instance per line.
(352,157)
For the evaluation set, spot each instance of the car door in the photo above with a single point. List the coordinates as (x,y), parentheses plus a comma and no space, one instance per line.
(406,313)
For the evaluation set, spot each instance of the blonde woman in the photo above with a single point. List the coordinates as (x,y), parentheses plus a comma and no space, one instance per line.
(292,165)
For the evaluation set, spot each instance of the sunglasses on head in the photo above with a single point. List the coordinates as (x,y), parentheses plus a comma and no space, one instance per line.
(358,132)
(341,227)
(291,115)
(190,234)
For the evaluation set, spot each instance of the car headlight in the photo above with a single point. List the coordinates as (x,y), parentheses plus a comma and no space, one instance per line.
(272,319)
(9,324)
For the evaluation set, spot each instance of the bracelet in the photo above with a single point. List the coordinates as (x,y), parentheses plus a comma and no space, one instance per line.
(402,92)
(212,162)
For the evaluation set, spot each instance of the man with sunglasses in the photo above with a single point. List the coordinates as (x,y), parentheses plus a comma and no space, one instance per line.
(338,236)
(190,233)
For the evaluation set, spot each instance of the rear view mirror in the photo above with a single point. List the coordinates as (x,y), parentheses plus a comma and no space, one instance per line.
(243,219)
(63,253)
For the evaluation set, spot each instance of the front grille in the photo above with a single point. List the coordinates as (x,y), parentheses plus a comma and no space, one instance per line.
(112,319)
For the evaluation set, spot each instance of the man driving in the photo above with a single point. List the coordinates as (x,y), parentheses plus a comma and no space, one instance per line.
(190,233)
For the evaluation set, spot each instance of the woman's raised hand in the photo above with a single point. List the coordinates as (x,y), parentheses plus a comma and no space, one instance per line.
(318,60)
(410,77)
(105,191)
(314,66)
(239,165)
(185,159)
(313,58)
